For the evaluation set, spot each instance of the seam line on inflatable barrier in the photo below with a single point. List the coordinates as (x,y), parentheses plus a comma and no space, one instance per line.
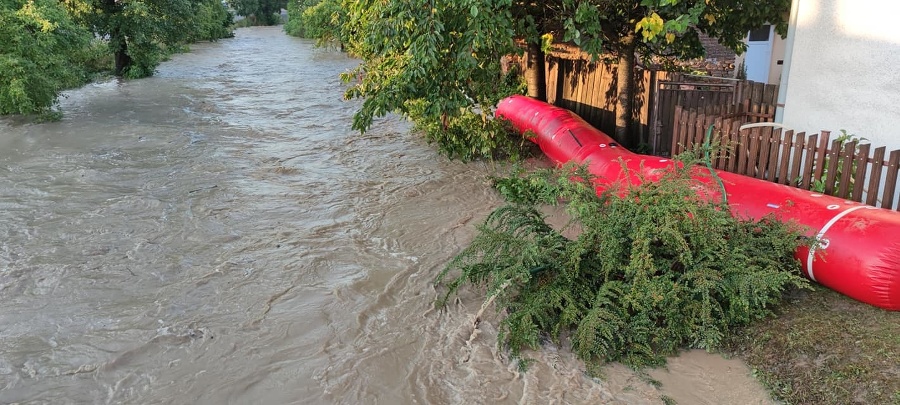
(574,137)
(812,250)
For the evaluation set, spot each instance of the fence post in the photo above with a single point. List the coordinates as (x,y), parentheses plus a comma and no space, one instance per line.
(677,132)
(845,164)
(786,145)
(833,156)
(774,143)
(887,200)
(859,176)
(875,176)
(737,149)
(809,165)
(821,154)
(797,159)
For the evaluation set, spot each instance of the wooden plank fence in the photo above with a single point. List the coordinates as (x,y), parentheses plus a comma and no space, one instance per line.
(588,87)
(839,167)
(713,95)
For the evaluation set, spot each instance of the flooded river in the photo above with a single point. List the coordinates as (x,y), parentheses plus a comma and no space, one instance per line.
(218,234)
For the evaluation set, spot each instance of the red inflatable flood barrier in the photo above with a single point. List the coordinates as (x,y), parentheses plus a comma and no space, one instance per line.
(859,250)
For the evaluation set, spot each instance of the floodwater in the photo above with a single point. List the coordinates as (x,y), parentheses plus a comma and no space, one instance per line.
(218,234)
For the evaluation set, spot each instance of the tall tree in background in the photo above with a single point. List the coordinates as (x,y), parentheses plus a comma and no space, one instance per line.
(49,45)
(138,30)
(319,19)
(211,21)
(438,62)
(141,33)
(266,12)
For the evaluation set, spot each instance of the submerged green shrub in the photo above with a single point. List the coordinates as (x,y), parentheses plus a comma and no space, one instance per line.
(468,135)
(649,273)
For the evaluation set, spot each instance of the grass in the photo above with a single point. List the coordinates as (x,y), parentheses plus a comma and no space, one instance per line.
(824,348)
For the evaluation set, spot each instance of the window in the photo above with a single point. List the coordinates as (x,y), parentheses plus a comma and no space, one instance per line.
(761,34)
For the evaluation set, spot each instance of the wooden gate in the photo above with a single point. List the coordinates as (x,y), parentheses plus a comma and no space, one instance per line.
(712,95)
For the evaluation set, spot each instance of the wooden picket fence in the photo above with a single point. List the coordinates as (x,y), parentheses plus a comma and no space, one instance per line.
(840,167)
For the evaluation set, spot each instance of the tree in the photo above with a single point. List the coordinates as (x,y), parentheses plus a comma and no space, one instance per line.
(212,21)
(38,54)
(645,28)
(438,62)
(142,32)
(266,12)
(320,19)
(49,45)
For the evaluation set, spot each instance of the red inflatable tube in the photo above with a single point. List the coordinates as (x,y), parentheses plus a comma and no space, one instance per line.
(859,250)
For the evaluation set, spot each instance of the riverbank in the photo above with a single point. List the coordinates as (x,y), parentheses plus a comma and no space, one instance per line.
(217,233)
(824,348)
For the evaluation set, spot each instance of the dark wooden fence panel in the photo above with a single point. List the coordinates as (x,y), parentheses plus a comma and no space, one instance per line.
(711,96)
(588,88)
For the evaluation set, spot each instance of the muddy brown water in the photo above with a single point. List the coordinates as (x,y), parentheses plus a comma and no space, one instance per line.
(218,234)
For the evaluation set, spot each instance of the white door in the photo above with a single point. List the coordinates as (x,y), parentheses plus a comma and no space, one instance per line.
(758,58)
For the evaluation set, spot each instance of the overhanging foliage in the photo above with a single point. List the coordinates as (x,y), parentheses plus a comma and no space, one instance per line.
(436,63)
(444,57)
(37,54)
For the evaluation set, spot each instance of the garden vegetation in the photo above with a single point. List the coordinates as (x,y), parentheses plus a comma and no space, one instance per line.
(654,267)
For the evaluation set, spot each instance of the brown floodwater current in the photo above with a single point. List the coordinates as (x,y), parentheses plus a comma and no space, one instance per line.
(218,234)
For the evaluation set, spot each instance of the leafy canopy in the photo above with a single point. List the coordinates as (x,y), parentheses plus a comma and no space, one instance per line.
(266,12)
(648,273)
(211,21)
(49,46)
(319,19)
(38,54)
(667,27)
(438,61)
(142,33)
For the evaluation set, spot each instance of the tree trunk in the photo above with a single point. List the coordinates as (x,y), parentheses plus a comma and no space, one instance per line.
(117,40)
(123,61)
(625,90)
(535,76)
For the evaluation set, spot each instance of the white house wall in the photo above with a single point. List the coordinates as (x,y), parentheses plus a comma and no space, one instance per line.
(777,63)
(845,69)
